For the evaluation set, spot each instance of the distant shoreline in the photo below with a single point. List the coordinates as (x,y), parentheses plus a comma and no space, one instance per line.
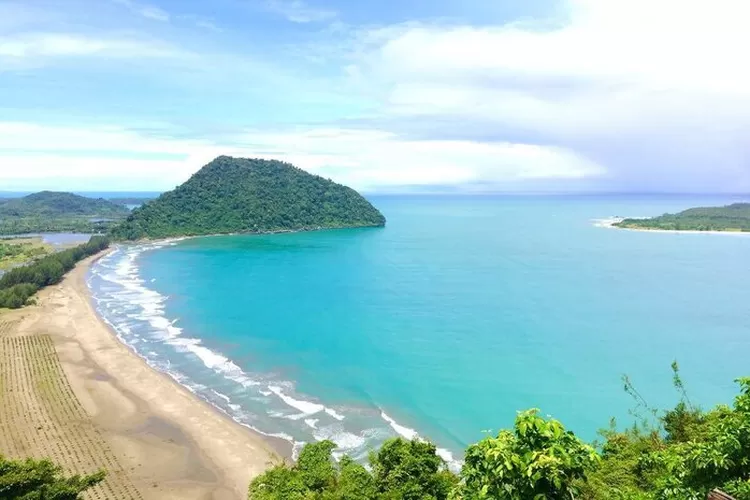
(609,223)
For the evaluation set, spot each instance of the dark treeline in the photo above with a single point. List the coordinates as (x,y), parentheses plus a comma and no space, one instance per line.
(19,284)
(735,217)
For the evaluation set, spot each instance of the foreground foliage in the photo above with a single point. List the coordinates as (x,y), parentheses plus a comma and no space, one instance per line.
(680,454)
(49,211)
(41,480)
(238,195)
(735,217)
(401,469)
(19,284)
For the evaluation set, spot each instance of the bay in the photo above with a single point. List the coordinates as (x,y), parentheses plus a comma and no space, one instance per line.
(458,313)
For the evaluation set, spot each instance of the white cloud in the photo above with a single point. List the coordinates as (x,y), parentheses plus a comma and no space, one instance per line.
(147,11)
(36,46)
(613,60)
(298,11)
(31,153)
(659,79)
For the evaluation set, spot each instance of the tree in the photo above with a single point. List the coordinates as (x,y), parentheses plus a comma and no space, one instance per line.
(717,456)
(539,461)
(41,480)
(411,470)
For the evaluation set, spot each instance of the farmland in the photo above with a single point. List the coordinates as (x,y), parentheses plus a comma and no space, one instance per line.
(41,417)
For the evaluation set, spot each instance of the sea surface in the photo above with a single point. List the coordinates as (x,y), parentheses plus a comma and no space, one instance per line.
(443,324)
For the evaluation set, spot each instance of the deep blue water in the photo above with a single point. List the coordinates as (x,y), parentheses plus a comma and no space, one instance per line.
(460,312)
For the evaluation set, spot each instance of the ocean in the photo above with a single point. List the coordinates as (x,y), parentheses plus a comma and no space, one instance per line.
(443,324)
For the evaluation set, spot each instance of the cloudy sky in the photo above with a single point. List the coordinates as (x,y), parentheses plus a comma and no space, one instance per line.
(388,95)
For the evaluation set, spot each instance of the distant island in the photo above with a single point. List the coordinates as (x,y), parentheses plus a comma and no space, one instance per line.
(240,195)
(730,218)
(55,212)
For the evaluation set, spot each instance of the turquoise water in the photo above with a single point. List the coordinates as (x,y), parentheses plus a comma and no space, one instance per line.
(458,313)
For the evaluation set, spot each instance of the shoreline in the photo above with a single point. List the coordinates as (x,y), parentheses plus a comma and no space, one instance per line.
(144,413)
(609,223)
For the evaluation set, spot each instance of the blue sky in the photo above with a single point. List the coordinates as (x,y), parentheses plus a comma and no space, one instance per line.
(478,95)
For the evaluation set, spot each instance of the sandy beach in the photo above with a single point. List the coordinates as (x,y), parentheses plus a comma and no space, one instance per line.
(170,444)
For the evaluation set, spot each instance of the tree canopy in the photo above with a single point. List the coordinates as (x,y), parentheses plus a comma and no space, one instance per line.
(239,195)
(735,217)
(49,211)
(41,480)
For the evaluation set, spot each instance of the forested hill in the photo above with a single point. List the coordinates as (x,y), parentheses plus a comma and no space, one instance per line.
(735,217)
(240,195)
(55,204)
(53,212)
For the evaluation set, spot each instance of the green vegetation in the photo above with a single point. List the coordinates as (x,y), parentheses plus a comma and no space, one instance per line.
(237,195)
(409,470)
(41,480)
(15,251)
(58,212)
(680,454)
(19,284)
(735,217)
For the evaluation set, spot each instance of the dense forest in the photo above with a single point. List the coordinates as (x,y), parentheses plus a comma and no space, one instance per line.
(20,283)
(49,211)
(735,217)
(238,195)
(680,454)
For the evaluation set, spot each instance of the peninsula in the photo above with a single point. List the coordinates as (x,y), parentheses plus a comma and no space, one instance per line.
(730,218)
(240,195)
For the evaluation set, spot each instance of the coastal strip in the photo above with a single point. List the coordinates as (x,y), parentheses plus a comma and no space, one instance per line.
(610,223)
(170,443)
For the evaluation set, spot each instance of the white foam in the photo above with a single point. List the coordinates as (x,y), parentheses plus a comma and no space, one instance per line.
(213,360)
(306,407)
(345,441)
(312,422)
(406,432)
(335,414)
(222,396)
(402,431)
(296,448)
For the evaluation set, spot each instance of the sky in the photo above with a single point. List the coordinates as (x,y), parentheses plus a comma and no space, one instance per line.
(385,96)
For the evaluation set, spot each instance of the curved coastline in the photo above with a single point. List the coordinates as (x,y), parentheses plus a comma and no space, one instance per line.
(143,412)
(265,403)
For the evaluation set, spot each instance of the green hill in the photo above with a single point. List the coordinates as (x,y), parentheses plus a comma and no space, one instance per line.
(56,204)
(735,217)
(240,195)
(50,211)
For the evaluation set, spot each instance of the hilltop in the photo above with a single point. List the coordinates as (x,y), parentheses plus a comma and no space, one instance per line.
(50,211)
(735,217)
(241,195)
(58,204)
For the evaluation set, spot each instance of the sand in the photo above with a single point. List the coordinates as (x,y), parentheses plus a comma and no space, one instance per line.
(169,443)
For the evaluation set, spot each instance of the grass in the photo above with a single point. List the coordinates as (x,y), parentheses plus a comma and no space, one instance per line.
(41,417)
(17,251)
